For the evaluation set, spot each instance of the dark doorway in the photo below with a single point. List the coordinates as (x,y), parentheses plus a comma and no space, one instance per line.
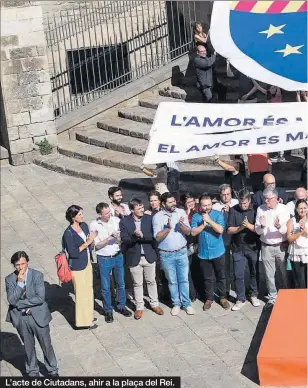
(98,68)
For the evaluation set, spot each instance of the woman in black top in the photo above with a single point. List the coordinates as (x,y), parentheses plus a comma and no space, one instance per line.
(200,37)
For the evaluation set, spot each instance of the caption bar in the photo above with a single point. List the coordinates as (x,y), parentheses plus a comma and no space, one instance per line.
(87,382)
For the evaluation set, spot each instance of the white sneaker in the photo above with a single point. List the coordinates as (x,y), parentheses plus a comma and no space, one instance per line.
(255,301)
(190,310)
(237,306)
(175,310)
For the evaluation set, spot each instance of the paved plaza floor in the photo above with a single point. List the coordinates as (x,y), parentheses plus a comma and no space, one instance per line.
(213,349)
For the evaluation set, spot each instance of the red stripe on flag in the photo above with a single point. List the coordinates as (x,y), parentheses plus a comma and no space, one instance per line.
(277,6)
(304,7)
(245,6)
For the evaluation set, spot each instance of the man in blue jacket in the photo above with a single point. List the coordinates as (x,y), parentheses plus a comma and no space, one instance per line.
(209,226)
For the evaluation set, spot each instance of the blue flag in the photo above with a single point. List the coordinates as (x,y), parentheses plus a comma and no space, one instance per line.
(266,40)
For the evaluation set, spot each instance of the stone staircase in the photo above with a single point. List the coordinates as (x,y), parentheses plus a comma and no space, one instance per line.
(111,149)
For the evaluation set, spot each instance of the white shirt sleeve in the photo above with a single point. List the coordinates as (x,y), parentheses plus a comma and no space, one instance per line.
(258,228)
(94,228)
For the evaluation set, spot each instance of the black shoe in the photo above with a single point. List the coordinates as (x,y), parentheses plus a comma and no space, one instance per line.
(108,317)
(125,312)
(92,327)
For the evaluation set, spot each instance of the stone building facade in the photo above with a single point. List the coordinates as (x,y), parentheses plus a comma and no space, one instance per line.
(38,37)
(27,115)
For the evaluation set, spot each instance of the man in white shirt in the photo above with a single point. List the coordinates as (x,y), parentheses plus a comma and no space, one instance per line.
(118,209)
(300,193)
(271,225)
(224,205)
(109,258)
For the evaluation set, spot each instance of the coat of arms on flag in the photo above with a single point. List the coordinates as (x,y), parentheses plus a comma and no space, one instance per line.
(266,40)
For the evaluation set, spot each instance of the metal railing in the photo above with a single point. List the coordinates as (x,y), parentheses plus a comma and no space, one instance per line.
(102,45)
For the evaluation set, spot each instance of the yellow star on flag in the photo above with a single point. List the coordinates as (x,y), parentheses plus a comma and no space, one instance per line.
(272,30)
(288,50)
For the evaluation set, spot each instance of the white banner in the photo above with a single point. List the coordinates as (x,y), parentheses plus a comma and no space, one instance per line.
(186,131)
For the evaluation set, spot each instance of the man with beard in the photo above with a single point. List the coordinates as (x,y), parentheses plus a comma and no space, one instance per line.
(118,209)
(209,227)
(171,227)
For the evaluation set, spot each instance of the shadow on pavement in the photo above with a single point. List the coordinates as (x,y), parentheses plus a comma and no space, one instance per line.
(13,352)
(250,367)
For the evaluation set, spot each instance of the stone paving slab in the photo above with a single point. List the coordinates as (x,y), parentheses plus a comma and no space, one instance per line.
(206,350)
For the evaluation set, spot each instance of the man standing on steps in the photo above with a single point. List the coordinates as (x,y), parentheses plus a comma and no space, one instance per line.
(118,209)
(203,65)
(171,226)
(209,227)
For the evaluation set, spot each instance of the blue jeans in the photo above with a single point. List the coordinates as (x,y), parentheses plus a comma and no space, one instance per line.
(175,265)
(239,259)
(106,264)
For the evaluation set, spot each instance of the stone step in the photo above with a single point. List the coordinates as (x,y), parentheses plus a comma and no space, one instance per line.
(122,143)
(113,176)
(191,94)
(94,172)
(152,102)
(138,113)
(132,162)
(113,141)
(125,127)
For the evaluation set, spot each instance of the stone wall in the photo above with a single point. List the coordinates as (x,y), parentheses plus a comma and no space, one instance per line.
(25,80)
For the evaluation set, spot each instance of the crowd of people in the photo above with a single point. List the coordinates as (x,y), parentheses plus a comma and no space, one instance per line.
(184,247)
(175,238)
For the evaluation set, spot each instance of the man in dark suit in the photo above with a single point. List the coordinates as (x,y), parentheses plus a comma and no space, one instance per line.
(138,246)
(203,65)
(269,181)
(29,313)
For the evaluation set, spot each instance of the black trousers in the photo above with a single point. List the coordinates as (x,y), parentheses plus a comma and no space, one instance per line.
(208,269)
(192,290)
(28,330)
(300,274)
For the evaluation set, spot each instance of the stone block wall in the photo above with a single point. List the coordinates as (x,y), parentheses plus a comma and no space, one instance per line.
(26,102)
